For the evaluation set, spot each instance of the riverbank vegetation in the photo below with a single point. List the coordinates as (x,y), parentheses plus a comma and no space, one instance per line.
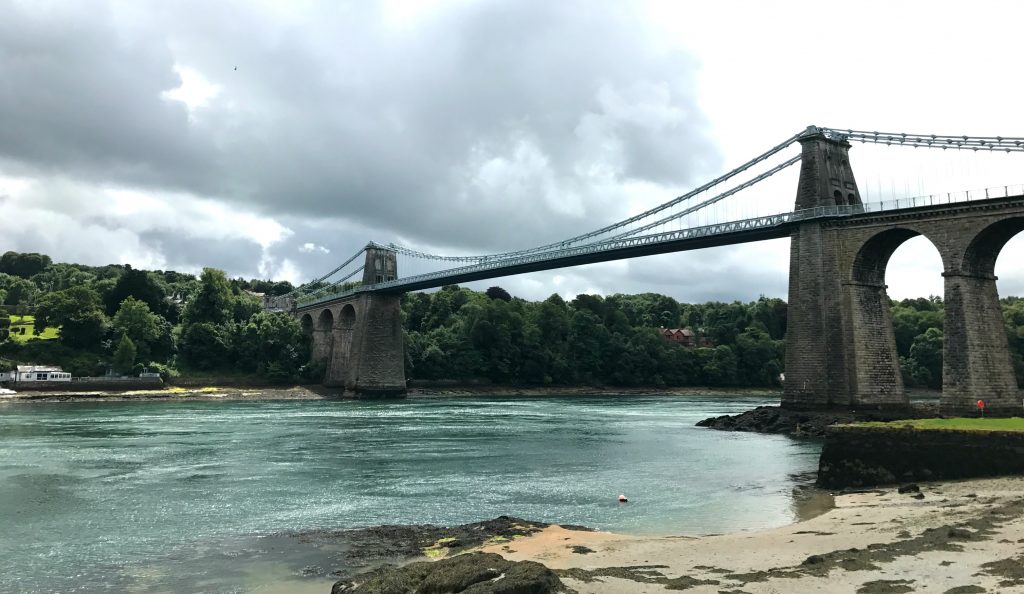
(93,319)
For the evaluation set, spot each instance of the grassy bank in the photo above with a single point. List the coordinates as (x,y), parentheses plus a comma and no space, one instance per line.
(954,424)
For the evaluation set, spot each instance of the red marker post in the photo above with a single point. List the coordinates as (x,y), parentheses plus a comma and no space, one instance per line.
(981,407)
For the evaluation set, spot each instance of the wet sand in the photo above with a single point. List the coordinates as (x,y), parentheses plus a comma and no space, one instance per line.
(960,537)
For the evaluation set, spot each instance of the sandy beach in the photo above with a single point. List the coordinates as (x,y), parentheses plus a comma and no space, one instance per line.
(952,537)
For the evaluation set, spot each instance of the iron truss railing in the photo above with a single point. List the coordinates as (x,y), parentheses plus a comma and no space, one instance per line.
(758,223)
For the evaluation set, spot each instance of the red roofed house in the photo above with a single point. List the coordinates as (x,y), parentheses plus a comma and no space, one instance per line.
(685,337)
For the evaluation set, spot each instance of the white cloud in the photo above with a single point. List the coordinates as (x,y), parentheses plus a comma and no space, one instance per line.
(195,90)
(309,248)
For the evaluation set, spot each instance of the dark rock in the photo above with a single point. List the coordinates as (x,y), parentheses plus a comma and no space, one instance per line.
(886,587)
(774,419)
(581,550)
(918,495)
(911,488)
(959,534)
(365,548)
(472,573)
(814,560)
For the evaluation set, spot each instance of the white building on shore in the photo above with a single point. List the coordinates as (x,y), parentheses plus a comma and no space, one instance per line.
(40,373)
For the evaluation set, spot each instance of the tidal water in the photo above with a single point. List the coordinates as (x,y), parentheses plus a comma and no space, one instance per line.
(175,496)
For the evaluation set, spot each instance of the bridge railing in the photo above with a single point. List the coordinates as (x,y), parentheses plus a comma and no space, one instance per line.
(679,235)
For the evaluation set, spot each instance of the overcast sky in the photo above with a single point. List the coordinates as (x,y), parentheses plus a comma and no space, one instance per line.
(273,139)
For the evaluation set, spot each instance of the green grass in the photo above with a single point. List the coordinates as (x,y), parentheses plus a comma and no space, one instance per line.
(955,424)
(26,322)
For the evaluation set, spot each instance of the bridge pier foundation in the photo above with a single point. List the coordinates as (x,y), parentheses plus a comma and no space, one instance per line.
(976,354)
(365,350)
(875,377)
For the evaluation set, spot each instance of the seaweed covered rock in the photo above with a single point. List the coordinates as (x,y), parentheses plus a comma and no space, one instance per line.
(471,573)
(809,423)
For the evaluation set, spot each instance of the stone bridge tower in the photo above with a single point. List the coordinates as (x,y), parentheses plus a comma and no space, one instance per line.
(840,345)
(359,338)
(826,365)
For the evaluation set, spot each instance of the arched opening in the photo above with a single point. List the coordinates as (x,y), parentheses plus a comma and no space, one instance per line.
(347,319)
(838,197)
(983,251)
(323,337)
(307,324)
(989,367)
(897,317)
(915,288)
(325,321)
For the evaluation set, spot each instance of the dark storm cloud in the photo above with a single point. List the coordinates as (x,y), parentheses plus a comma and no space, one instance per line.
(481,127)
(80,97)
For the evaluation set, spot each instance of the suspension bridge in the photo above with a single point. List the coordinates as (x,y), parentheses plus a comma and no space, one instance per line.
(840,345)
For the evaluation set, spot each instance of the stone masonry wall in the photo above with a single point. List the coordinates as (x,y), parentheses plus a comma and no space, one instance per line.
(862,365)
(862,457)
(378,355)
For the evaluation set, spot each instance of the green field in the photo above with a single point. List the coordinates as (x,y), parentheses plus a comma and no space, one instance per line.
(955,424)
(22,329)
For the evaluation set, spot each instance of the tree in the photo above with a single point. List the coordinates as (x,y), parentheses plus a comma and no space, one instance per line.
(498,293)
(272,344)
(588,340)
(140,285)
(135,320)
(759,358)
(925,361)
(213,303)
(205,345)
(78,314)
(124,356)
(18,291)
(23,265)
(5,325)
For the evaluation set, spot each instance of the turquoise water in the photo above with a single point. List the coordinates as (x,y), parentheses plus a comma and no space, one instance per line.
(93,492)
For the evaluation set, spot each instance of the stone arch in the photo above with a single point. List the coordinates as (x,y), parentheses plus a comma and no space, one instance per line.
(307,324)
(976,354)
(323,336)
(979,259)
(347,317)
(874,368)
(325,321)
(873,256)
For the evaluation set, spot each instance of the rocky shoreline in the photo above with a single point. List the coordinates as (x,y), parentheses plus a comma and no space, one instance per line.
(412,558)
(811,423)
(954,537)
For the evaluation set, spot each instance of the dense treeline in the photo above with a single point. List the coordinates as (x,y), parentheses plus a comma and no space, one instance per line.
(116,318)
(918,325)
(456,333)
(121,319)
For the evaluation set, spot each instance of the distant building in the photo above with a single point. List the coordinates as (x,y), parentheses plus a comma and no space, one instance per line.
(685,337)
(40,373)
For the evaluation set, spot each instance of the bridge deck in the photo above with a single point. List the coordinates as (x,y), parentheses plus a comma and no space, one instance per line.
(731,233)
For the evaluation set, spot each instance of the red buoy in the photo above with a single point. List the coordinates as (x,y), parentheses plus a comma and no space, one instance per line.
(622,499)
(981,404)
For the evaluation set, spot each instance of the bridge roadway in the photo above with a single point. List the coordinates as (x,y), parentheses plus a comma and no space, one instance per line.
(840,343)
(735,232)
